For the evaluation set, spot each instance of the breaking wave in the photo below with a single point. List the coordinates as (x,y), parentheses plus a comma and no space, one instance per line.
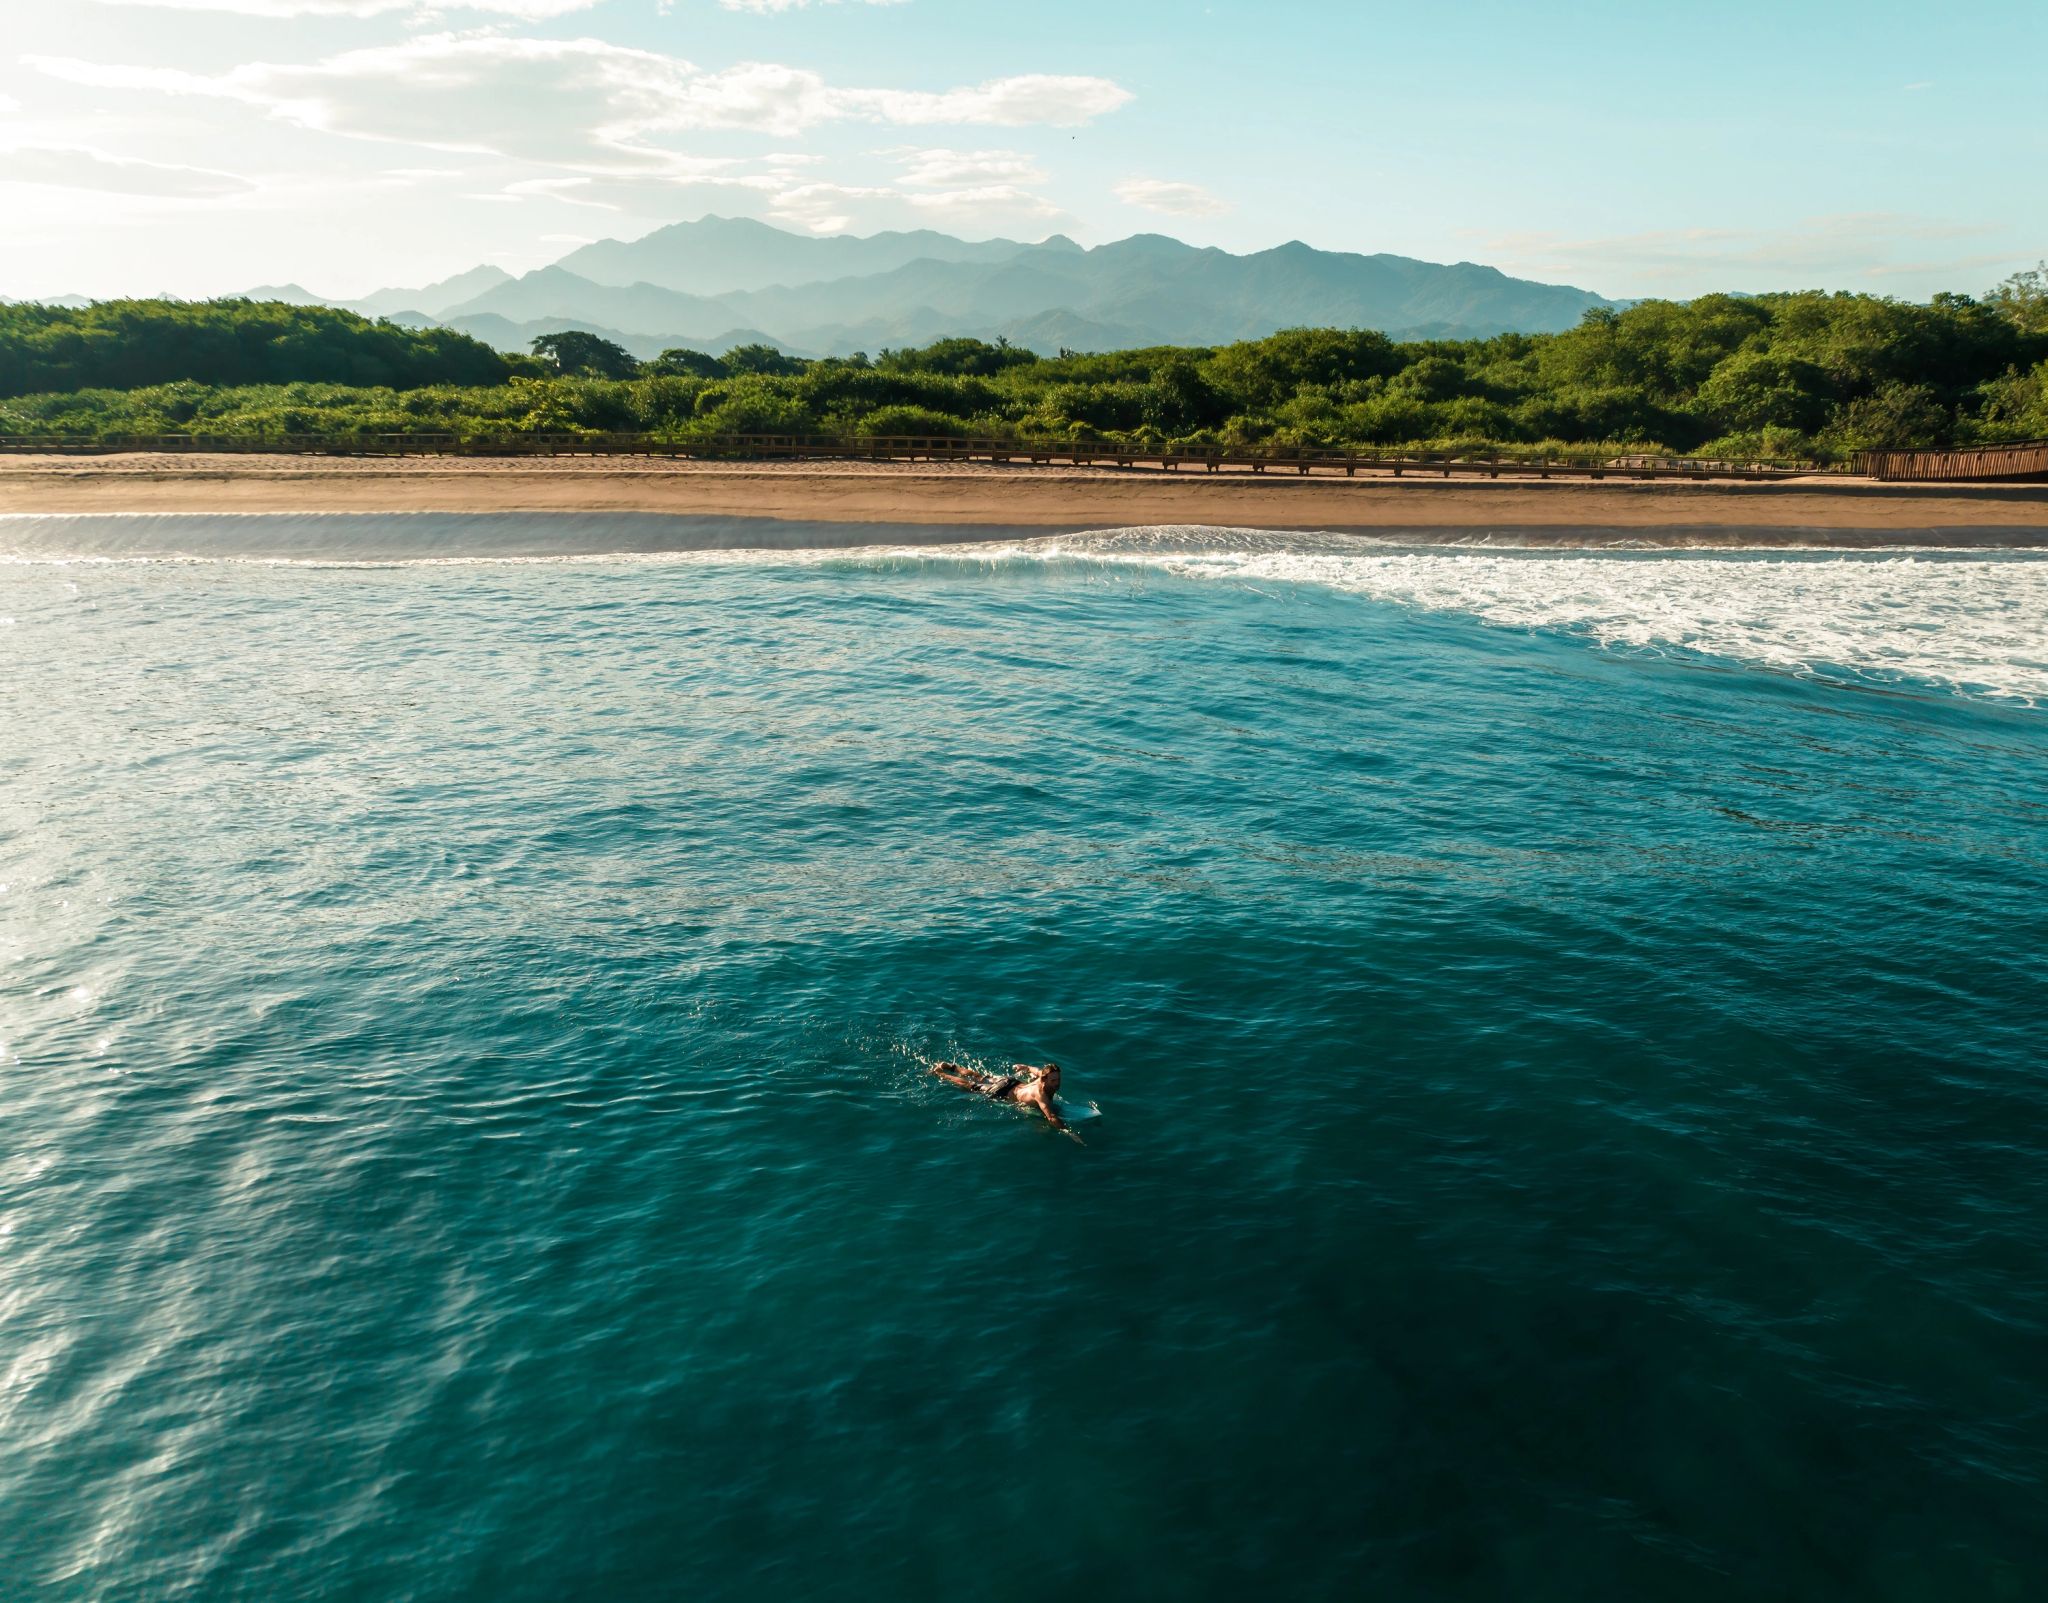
(1974,620)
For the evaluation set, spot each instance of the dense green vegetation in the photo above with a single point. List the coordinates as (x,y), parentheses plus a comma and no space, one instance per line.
(124,345)
(1796,375)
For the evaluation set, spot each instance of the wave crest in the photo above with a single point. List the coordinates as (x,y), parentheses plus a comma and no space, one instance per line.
(1975,621)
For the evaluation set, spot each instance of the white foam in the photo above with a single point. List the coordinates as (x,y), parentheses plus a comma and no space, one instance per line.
(1975,624)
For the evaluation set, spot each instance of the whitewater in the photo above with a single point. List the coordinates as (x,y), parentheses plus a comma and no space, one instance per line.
(1972,622)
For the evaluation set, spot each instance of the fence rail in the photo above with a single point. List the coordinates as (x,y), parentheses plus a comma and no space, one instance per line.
(785,447)
(2023,460)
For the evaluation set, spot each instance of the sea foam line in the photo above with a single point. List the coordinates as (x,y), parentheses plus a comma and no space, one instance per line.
(1974,622)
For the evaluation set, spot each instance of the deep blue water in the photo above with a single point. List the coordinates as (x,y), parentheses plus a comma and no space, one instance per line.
(1573,1116)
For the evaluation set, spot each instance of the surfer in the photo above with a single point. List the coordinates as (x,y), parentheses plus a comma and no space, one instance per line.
(1025,1086)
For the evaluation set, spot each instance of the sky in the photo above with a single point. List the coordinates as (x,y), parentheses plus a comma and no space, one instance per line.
(198,147)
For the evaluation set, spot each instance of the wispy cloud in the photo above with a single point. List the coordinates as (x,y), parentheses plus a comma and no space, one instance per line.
(1171,199)
(933,187)
(649,192)
(961,188)
(71,167)
(769,7)
(962,169)
(523,10)
(1838,248)
(824,207)
(983,203)
(583,101)
(1054,100)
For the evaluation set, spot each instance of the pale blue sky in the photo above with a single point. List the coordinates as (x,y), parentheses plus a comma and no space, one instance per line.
(200,146)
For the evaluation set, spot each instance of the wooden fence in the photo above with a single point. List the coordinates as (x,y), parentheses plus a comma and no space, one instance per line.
(784,447)
(1981,464)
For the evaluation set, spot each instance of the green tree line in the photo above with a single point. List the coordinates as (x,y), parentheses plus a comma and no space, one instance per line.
(126,345)
(1809,375)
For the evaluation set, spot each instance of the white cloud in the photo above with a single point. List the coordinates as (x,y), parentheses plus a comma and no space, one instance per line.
(832,208)
(768,98)
(970,186)
(821,207)
(983,202)
(960,169)
(1060,100)
(581,102)
(786,188)
(525,10)
(64,167)
(1174,200)
(650,192)
(765,7)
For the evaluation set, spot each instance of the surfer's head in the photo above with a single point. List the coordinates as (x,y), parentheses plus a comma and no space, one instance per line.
(1050,1076)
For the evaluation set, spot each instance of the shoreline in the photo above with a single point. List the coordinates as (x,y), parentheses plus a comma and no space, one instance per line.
(1023,498)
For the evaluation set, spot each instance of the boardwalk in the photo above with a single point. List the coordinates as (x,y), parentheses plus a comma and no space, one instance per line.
(2022,462)
(785,447)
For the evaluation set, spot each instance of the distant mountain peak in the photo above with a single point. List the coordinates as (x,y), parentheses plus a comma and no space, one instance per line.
(432,300)
(722,255)
(290,294)
(838,293)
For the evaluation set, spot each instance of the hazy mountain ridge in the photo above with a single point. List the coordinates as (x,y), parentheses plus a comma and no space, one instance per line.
(286,295)
(836,294)
(843,293)
(722,255)
(433,300)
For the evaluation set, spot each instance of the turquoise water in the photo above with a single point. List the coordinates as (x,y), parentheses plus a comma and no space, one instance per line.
(1567,1030)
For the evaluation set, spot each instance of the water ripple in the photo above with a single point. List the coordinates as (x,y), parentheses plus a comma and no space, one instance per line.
(1566,1031)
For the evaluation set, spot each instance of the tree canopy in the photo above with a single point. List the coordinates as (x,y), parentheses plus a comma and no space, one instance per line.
(2024,299)
(585,355)
(126,345)
(1810,375)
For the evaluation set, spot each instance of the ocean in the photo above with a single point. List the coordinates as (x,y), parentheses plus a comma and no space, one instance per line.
(1555,1040)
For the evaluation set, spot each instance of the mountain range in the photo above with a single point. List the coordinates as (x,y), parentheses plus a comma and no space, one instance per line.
(720,281)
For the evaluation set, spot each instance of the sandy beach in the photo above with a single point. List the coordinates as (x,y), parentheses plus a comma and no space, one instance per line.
(1560,511)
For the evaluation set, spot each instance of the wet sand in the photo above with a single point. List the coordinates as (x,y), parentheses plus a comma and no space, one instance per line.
(1830,511)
